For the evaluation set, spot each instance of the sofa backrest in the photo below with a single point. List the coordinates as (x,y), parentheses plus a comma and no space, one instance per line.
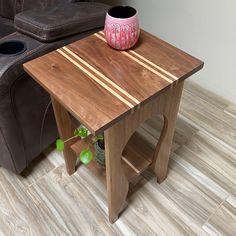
(9,8)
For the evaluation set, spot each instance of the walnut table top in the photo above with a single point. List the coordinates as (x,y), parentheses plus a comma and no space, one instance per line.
(100,85)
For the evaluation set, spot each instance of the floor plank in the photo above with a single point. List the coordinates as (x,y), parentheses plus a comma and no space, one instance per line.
(208,118)
(231,110)
(78,203)
(197,198)
(54,157)
(37,169)
(151,130)
(19,215)
(212,159)
(205,95)
(67,199)
(161,213)
(223,222)
(129,223)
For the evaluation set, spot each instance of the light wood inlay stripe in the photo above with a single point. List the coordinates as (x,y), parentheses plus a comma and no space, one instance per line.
(139,62)
(130,164)
(147,61)
(147,67)
(95,78)
(101,37)
(102,76)
(154,65)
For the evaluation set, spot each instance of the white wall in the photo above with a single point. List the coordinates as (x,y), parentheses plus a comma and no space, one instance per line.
(204,28)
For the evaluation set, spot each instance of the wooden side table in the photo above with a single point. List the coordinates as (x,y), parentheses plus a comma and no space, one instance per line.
(114,92)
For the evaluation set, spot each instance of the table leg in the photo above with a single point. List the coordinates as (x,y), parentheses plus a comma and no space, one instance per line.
(118,135)
(163,149)
(66,130)
(117,183)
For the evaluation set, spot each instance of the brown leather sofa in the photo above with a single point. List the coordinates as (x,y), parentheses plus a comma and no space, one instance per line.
(27,124)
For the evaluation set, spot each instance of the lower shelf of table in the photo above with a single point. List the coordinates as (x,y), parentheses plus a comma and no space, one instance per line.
(136,158)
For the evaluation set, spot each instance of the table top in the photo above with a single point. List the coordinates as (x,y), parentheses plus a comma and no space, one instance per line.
(99,85)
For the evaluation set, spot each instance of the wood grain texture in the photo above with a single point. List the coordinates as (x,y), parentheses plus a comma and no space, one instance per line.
(98,73)
(127,94)
(119,135)
(50,195)
(77,83)
(19,215)
(213,158)
(165,57)
(161,155)
(200,175)
(212,120)
(116,139)
(71,58)
(95,168)
(151,130)
(37,169)
(143,62)
(223,222)
(231,110)
(107,82)
(202,93)
(121,142)
(53,156)
(138,153)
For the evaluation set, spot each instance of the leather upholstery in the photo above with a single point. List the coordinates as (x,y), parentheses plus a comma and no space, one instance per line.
(75,18)
(27,123)
(6,27)
(9,8)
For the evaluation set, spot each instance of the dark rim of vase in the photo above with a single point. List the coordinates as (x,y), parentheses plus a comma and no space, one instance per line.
(122,12)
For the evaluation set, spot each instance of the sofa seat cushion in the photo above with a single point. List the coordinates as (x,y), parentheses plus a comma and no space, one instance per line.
(6,27)
(52,23)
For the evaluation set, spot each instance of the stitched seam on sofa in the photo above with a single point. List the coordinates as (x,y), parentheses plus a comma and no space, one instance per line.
(42,124)
(49,39)
(36,25)
(7,36)
(57,26)
(44,36)
(29,33)
(8,149)
(41,36)
(13,108)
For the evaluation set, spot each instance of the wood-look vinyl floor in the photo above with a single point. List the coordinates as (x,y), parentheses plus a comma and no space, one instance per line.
(197,198)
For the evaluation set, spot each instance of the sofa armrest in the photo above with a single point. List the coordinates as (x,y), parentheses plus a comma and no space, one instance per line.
(56,22)
(11,65)
(12,77)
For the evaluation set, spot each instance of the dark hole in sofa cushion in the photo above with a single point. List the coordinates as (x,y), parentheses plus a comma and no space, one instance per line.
(10,48)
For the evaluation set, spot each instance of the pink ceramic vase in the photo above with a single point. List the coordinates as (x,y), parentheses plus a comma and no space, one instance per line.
(122,27)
